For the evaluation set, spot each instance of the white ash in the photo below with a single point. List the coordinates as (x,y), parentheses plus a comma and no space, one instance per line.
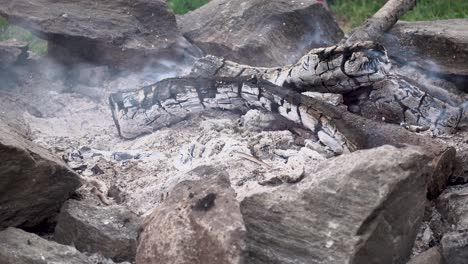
(144,170)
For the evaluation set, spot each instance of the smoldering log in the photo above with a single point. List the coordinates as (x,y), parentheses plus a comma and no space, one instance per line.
(352,65)
(366,65)
(335,69)
(169,101)
(172,100)
(397,101)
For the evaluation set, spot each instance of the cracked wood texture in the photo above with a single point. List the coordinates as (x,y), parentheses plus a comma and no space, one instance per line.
(397,101)
(172,100)
(335,69)
(363,66)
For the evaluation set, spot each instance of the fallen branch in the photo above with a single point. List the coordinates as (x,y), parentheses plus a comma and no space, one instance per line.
(380,22)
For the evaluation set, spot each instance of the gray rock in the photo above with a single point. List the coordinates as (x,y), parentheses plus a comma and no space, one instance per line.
(453,206)
(430,256)
(200,222)
(117,33)
(12,52)
(117,194)
(97,258)
(111,231)
(455,247)
(431,230)
(438,46)
(33,183)
(19,247)
(260,32)
(96,170)
(363,207)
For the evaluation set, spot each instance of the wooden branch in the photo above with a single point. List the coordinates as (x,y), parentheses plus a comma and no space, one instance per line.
(380,22)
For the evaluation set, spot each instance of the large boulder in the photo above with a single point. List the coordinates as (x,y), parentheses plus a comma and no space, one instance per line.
(260,32)
(453,206)
(12,52)
(455,247)
(114,32)
(438,46)
(19,247)
(111,230)
(33,183)
(430,256)
(364,207)
(199,223)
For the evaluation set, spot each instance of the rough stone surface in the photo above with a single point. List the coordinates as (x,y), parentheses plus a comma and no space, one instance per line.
(12,52)
(430,256)
(111,231)
(19,247)
(200,222)
(438,46)
(260,32)
(364,207)
(33,183)
(453,206)
(117,33)
(431,230)
(455,247)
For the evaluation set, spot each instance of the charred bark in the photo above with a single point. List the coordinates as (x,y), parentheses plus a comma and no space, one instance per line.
(172,100)
(395,100)
(336,69)
(351,66)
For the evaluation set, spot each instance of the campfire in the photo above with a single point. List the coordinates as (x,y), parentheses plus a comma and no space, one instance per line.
(247,131)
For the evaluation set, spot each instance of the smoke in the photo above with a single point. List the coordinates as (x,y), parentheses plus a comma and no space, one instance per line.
(417,67)
(96,81)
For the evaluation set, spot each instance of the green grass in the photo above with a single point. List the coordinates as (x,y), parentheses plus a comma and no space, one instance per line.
(351,13)
(36,45)
(184,6)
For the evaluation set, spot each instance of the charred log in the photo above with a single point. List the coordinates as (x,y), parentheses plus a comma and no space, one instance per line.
(336,69)
(172,100)
(346,70)
(395,100)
